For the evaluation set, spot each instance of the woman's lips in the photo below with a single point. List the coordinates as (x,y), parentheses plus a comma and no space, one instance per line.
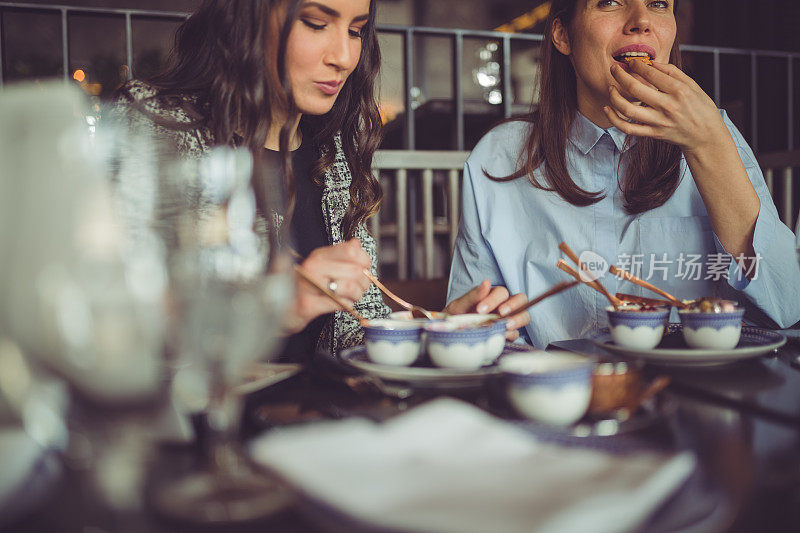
(328,87)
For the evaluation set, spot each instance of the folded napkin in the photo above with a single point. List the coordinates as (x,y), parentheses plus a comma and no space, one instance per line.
(447,466)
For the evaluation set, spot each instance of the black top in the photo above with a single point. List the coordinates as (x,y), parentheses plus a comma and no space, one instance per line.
(307,232)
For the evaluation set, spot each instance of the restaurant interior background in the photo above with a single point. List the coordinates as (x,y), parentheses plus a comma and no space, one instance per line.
(745,53)
(451,69)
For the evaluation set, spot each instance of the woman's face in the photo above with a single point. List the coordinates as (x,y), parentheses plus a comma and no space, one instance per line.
(602,32)
(323,49)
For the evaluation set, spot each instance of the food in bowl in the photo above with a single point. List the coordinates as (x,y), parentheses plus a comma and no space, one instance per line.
(638,326)
(393,342)
(712,323)
(710,305)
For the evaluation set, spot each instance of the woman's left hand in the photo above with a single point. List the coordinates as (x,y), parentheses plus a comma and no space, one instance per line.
(485,299)
(676,109)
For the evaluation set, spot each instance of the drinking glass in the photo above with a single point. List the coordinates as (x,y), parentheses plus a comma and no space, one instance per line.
(230,285)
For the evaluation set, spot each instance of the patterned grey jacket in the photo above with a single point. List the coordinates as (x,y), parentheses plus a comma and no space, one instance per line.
(140,104)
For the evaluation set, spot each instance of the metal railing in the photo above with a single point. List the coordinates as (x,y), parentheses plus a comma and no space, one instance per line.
(457,36)
(409,33)
(405,192)
(401,171)
(66,11)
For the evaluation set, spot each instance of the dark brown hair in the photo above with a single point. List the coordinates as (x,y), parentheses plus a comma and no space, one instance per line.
(230,57)
(653,171)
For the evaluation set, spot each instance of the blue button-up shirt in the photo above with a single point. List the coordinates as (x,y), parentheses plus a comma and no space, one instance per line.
(510,232)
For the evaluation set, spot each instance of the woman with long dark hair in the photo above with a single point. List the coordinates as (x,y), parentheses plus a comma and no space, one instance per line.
(625,156)
(293,81)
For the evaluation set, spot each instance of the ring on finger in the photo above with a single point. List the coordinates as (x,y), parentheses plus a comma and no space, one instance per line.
(333,286)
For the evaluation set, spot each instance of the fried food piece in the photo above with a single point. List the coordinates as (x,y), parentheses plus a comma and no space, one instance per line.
(646,60)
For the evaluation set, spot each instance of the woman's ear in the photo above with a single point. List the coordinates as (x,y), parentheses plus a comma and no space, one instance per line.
(561,38)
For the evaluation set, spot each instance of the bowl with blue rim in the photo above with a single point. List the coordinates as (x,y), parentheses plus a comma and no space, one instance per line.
(451,345)
(638,326)
(496,339)
(393,342)
(550,387)
(711,323)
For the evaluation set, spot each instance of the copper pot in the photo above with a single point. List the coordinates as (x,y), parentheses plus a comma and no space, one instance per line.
(615,385)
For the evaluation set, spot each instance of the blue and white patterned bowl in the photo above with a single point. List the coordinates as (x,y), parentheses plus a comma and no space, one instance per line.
(406,316)
(716,331)
(496,341)
(551,387)
(497,335)
(450,347)
(641,330)
(393,342)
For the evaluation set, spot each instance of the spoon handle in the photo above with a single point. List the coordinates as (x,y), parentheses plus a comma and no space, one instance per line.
(642,283)
(386,291)
(574,273)
(555,289)
(594,283)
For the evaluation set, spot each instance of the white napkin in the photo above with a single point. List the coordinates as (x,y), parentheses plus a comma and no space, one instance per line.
(447,466)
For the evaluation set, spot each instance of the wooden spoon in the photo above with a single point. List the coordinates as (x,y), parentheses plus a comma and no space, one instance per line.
(414,309)
(593,283)
(642,283)
(555,289)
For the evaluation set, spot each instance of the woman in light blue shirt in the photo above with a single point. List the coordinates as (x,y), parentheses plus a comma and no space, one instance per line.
(631,161)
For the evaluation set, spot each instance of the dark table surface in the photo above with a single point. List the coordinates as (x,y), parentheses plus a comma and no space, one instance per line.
(742,421)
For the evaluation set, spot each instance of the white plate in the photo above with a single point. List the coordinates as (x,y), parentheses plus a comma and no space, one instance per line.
(426,376)
(673,351)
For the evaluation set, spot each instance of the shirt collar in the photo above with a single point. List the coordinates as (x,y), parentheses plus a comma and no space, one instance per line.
(584,134)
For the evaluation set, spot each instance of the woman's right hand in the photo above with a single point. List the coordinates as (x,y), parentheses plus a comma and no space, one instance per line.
(341,266)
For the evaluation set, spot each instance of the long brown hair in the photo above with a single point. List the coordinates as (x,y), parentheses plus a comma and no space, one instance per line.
(230,57)
(653,171)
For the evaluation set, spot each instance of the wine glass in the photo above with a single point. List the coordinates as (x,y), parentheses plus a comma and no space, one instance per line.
(230,286)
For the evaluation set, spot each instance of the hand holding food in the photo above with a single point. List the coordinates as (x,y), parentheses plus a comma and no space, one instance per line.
(675,108)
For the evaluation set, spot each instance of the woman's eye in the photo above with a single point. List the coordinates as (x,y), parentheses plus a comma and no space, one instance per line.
(606,3)
(312,25)
(357,32)
(661,4)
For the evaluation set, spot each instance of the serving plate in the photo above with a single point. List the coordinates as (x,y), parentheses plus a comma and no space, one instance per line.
(426,375)
(673,351)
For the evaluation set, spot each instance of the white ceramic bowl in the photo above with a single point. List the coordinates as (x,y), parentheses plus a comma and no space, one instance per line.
(550,387)
(392,342)
(406,316)
(450,347)
(712,331)
(641,330)
(496,340)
